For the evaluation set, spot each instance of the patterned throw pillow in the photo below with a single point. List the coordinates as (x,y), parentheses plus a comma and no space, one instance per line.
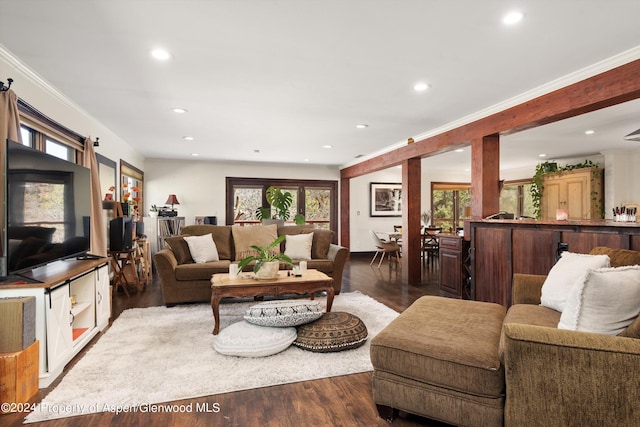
(247,340)
(335,331)
(284,313)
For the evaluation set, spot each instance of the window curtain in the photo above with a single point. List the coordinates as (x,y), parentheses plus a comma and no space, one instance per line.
(98,241)
(9,129)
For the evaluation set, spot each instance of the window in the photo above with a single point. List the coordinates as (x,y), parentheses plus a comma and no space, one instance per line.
(59,150)
(42,133)
(28,136)
(448,201)
(316,200)
(516,198)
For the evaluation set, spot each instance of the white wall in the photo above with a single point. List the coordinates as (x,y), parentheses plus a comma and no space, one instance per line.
(200,185)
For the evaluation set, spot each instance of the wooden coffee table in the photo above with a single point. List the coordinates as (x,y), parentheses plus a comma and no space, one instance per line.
(247,286)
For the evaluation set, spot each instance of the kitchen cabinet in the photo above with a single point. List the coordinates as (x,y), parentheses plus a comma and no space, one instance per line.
(73,304)
(453,271)
(579,191)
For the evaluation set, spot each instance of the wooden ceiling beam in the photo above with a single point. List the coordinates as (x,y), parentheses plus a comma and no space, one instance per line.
(618,85)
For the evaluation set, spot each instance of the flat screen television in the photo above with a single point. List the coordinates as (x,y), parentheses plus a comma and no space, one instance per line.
(47,209)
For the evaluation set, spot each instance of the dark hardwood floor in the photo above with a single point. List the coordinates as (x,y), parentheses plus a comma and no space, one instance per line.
(338,401)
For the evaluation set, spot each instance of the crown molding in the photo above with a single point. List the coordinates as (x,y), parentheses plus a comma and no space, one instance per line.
(37,80)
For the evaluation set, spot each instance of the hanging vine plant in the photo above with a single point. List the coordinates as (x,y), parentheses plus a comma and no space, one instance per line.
(543,168)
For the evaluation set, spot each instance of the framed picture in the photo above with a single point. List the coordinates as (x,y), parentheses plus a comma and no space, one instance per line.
(199,220)
(386,199)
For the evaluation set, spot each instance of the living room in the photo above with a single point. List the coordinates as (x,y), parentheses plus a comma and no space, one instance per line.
(199,182)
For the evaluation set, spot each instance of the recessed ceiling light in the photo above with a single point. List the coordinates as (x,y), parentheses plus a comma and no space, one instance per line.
(188,138)
(362,126)
(512,18)
(542,155)
(327,146)
(589,132)
(160,54)
(179,110)
(306,160)
(421,86)
(459,150)
(195,154)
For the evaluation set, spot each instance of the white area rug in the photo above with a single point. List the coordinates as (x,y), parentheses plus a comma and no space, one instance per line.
(159,354)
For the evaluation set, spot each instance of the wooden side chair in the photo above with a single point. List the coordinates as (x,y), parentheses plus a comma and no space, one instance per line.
(431,244)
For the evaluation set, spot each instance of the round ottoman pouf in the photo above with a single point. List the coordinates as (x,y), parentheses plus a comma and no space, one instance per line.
(334,331)
(284,313)
(247,340)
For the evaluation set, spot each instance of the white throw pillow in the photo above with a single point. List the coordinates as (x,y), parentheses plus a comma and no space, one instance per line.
(203,248)
(604,301)
(247,340)
(285,313)
(569,268)
(298,246)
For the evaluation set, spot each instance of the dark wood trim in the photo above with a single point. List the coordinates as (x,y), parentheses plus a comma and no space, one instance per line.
(485,173)
(345,218)
(411,226)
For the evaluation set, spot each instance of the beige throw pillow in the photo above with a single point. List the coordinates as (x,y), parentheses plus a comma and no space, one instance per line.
(603,301)
(258,235)
(299,246)
(202,248)
(569,268)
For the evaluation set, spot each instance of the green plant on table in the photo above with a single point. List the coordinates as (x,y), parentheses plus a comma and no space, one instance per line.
(265,254)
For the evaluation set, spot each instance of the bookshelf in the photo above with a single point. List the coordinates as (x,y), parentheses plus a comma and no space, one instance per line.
(158,228)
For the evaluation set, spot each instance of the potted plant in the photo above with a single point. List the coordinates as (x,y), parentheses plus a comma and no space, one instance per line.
(281,201)
(267,261)
(153,212)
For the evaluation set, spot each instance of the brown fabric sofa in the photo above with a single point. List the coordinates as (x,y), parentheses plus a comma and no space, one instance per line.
(184,281)
(558,377)
(552,377)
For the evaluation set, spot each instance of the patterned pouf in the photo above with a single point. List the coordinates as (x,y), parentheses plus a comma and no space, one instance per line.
(247,340)
(283,313)
(334,331)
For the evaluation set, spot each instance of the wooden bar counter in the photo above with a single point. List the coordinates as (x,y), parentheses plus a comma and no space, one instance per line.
(501,248)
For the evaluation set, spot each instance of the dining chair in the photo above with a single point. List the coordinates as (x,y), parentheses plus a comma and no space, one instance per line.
(385,246)
(431,244)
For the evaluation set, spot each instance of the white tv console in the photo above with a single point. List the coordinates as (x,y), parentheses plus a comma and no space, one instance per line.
(63,328)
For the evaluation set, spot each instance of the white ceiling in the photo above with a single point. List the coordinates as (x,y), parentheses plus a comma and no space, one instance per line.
(288,76)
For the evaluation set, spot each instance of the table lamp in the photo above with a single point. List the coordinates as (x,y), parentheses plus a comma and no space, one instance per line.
(172,200)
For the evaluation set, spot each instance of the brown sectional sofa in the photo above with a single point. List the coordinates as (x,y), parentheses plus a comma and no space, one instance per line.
(184,281)
(552,377)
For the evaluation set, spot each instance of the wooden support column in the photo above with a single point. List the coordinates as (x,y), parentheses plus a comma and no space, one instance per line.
(485,175)
(345,231)
(411,227)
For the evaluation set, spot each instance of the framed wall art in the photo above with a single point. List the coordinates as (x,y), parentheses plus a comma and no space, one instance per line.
(386,199)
